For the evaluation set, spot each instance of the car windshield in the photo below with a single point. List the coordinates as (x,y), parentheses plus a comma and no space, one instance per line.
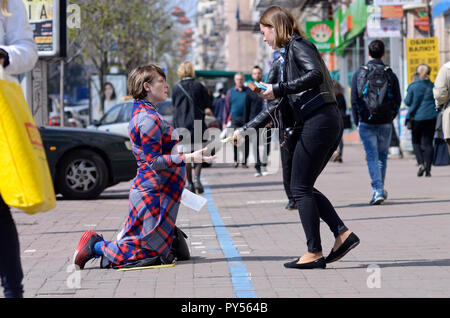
(111,116)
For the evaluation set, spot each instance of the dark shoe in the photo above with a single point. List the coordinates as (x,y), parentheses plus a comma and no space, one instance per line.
(198,185)
(427,174)
(351,242)
(85,249)
(291,206)
(236,165)
(318,263)
(244,165)
(421,171)
(190,186)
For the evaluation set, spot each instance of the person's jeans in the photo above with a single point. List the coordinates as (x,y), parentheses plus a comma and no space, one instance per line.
(10,267)
(376,140)
(317,142)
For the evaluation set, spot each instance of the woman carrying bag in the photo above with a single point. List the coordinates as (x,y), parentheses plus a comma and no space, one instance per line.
(313,126)
(18,54)
(422,118)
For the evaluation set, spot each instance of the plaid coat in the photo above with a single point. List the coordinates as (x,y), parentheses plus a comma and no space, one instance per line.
(155,193)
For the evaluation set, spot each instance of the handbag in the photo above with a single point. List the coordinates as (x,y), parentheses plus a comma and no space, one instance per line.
(441,155)
(180,247)
(25,179)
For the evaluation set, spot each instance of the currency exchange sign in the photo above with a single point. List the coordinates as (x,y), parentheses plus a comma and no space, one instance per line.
(422,50)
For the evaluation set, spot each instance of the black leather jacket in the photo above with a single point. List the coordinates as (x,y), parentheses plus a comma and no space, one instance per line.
(306,87)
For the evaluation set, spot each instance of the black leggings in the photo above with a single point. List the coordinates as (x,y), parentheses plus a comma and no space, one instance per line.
(422,134)
(10,267)
(318,140)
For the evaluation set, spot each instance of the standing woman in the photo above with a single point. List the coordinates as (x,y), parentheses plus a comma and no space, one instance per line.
(191,102)
(317,130)
(422,113)
(18,54)
(156,190)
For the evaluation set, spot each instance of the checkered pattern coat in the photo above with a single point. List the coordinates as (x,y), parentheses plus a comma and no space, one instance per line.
(155,193)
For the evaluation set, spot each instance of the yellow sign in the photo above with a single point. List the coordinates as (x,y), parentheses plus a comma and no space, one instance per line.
(423,50)
(39,10)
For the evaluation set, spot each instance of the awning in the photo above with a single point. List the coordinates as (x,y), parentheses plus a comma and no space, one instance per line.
(440,6)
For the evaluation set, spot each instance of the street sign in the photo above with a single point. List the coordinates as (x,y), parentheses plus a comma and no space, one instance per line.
(48,21)
(422,50)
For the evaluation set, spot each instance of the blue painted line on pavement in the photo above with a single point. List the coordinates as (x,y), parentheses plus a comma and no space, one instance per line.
(240,279)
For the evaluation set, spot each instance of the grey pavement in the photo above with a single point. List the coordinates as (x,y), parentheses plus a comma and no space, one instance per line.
(241,238)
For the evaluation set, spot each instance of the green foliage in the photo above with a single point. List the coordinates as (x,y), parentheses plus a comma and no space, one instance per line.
(125,33)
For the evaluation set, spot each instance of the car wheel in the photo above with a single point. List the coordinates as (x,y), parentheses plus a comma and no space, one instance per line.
(81,174)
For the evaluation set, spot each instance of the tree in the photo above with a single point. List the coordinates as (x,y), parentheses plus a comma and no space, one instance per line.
(124,33)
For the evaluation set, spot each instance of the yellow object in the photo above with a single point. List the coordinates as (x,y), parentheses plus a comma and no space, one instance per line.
(146,267)
(25,180)
(422,50)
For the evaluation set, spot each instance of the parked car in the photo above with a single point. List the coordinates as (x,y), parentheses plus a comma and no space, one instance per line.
(118,117)
(84,162)
(71,121)
(79,111)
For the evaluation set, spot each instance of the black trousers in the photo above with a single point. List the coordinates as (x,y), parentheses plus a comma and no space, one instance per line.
(10,267)
(422,134)
(316,143)
(238,123)
(266,147)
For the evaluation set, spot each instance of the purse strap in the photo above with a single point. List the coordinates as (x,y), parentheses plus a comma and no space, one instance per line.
(190,98)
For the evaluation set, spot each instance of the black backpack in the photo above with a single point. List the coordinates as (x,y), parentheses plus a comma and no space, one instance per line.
(375,88)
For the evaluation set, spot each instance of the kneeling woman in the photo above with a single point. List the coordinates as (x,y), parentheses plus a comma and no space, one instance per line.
(156,190)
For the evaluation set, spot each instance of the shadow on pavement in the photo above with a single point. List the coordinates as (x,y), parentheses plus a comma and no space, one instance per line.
(412,263)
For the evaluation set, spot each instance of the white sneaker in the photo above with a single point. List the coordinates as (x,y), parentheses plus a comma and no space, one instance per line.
(264,171)
(258,174)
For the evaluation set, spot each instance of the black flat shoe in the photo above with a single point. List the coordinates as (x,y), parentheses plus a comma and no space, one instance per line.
(351,242)
(421,171)
(291,206)
(318,263)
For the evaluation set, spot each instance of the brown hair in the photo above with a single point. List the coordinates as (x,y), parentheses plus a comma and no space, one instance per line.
(186,69)
(141,75)
(283,23)
(4,8)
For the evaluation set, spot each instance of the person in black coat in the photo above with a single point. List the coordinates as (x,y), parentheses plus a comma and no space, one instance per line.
(308,100)
(191,102)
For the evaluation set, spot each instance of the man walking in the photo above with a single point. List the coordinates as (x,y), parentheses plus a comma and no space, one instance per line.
(375,99)
(233,111)
(253,106)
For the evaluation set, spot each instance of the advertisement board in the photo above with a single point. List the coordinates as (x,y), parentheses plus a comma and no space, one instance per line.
(45,17)
(321,33)
(422,50)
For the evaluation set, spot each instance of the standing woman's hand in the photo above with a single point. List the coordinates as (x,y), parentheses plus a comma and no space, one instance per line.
(268,93)
(197,157)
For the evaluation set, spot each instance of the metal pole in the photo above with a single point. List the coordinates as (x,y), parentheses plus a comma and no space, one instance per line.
(61,92)
(430,19)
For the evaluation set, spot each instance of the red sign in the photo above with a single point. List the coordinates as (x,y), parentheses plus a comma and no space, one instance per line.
(392,12)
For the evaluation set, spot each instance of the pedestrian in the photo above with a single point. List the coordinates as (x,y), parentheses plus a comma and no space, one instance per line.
(253,106)
(192,102)
(422,114)
(441,93)
(313,133)
(233,114)
(156,190)
(18,54)
(373,113)
(218,104)
(342,105)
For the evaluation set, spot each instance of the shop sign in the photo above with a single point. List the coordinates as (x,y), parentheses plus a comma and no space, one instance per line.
(321,33)
(382,28)
(395,2)
(392,12)
(346,25)
(422,50)
(44,17)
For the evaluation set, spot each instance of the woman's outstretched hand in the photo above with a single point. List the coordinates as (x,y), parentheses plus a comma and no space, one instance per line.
(268,93)
(198,157)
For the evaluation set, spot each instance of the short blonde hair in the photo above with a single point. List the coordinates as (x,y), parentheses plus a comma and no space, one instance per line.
(4,8)
(186,69)
(141,75)
(283,22)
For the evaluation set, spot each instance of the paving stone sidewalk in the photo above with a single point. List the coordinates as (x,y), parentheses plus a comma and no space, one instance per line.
(241,239)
